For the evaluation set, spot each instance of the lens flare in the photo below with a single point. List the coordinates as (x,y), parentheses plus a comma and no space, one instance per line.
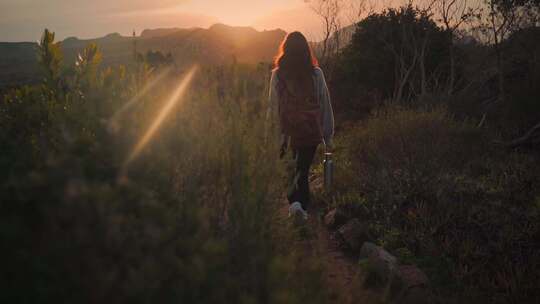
(169,105)
(113,122)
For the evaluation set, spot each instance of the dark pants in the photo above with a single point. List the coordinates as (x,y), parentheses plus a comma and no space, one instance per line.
(299,183)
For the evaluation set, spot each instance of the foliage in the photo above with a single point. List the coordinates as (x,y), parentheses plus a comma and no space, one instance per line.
(478,91)
(383,46)
(194,219)
(156,58)
(50,57)
(528,10)
(435,192)
(522,74)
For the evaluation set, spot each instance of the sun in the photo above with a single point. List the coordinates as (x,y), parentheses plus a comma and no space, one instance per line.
(239,12)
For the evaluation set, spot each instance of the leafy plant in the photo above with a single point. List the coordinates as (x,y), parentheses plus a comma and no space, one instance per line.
(432,187)
(193,219)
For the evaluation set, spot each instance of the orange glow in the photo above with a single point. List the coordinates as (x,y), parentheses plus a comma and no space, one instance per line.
(113,122)
(239,12)
(165,111)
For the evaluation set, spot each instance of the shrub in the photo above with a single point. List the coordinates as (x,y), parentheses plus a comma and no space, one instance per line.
(193,219)
(382,46)
(434,187)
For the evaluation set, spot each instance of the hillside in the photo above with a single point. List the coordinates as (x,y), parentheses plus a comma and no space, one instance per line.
(344,36)
(218,44)
(18,63)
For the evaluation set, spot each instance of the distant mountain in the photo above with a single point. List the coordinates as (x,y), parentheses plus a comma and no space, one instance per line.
(151,33)
(344,35)
(18,63)
(219,44)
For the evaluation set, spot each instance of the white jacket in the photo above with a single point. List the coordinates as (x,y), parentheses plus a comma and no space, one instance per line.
(323,95)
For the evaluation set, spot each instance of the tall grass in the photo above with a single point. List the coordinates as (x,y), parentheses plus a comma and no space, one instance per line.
(193,219)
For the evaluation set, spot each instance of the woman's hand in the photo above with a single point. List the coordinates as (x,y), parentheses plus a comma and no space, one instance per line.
(282,151)
(284,146)
(328,146)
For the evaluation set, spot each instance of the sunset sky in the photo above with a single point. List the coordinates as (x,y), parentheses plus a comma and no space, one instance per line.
(24,20)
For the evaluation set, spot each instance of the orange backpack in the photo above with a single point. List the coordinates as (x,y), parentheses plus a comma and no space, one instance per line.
(300,117)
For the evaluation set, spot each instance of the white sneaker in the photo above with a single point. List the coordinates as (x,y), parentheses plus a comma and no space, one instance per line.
(296,208)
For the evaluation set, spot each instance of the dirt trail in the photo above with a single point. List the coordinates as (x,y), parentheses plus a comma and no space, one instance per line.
(342,273)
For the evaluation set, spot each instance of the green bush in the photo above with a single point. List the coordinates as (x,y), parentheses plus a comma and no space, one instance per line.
(193,219)
(435,188)
(383,45)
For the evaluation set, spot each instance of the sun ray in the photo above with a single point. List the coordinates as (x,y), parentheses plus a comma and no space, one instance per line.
(162,115)
(113,121)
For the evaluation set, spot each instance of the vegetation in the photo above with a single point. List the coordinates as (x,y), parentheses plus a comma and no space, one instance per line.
(215,46)
(423,153)
(436,193)
(393,53)
(437,152)
(193,219)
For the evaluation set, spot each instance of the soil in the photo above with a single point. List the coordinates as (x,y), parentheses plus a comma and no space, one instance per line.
(343,275)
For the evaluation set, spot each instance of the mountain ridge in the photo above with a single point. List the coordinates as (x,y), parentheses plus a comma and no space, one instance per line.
(219,44)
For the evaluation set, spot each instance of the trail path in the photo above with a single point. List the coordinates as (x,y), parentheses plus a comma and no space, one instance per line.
(342,274)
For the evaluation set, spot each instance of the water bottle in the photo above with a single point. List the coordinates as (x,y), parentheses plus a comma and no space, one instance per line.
(328,171)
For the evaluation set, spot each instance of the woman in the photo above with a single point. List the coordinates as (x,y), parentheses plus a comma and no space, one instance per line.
(300,104)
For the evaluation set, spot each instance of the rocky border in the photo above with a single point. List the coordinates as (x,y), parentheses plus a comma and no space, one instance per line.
(403,284)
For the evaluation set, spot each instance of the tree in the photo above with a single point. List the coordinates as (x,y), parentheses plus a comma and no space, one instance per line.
(50,58)
(157,59)
(498,21)
(397,53)
(329,11)
(527,12)
(501,21)
(452,15)
(335,15)
(86,66)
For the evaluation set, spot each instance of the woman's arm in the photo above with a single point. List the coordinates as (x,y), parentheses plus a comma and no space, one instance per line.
(327,111)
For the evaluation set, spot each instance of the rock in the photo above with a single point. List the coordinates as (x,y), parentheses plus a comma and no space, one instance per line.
(407,284)
(367,249)
(334,218)
(383,264)
(409,276)
(353,234)
(410,285)
(415,295)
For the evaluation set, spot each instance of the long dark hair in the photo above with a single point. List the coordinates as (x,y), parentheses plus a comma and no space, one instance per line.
(295,63)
